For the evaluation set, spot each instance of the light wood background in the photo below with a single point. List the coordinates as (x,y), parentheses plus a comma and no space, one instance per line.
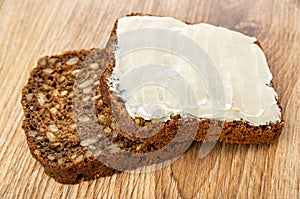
(30,29)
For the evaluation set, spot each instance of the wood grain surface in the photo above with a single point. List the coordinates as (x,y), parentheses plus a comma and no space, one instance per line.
(30,29)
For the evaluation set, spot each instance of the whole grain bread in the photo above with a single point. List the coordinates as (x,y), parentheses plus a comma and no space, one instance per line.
(240,132)
(50,125)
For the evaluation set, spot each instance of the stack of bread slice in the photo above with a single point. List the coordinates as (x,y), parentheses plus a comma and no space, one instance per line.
(71,111)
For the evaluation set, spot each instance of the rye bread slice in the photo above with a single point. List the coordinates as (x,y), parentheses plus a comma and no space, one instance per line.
(49,122)
(240,132)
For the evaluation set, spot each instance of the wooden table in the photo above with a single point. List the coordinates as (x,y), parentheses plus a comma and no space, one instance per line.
(30,29)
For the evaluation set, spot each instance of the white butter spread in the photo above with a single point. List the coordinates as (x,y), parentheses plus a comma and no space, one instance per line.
(241,65)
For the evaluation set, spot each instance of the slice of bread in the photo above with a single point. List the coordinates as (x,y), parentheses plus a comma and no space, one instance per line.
(49,122)
(238,131)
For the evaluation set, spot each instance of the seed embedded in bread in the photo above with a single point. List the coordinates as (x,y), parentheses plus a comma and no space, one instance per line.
(38,138)
(75,72)
(137,121)
(51,157)
(60,161)
(87,90)
(96,97)
(53,110)
(94,66)
(72,61)
(41,99)
(115,134)
(84,118)
(53,128)
(86,99)
(107,130)
(43,62)
(48,70)
(96,83)
(85,84)
(140,146)
(29,97)
(114,126)
(52,61)
(32,133)
(51,137)
(64,93)
(89,141)
(73,156)
(78,159)
(73,126)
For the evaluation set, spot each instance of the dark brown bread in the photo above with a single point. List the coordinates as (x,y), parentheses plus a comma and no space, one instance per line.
(230,132)
(49,122)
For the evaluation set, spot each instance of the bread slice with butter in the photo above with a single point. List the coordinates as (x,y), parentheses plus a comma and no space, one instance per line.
(251,115)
